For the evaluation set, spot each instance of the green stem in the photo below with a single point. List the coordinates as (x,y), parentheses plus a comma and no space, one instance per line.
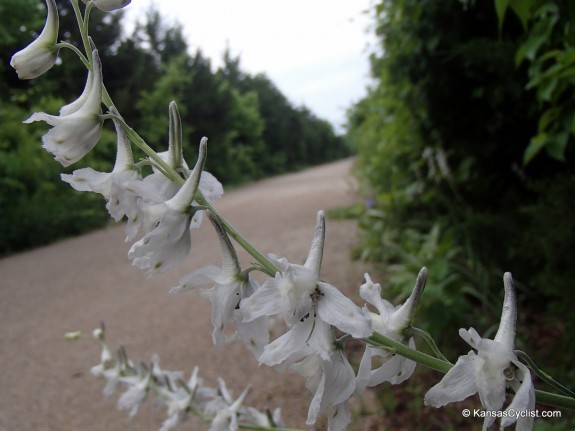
(386,343)
(83,26)
(411,331)
(554,400)
(267,266)
(524,357)
(379,340)
(76,51)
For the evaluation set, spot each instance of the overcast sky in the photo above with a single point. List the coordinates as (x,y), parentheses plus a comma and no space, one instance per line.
(315,51)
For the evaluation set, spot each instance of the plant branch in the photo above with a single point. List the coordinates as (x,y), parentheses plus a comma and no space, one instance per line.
(386,343)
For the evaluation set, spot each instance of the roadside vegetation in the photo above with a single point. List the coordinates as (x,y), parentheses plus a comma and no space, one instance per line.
(466,164)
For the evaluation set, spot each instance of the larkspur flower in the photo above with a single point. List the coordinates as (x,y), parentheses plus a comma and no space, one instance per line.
(309,306)
(392,322)
(180,402)
(138,388)
(490,371)
(225,410)
(77,131)
(157,188)
(114,186)
(230,287)
(169,242)
(267,419)
(38,57)
(111,370)
(333,383)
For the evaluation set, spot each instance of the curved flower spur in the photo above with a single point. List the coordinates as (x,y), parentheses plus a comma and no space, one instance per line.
(490,371)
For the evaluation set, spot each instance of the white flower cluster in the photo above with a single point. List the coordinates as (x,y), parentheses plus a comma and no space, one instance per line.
(317,318)
(313,312)
(181,398)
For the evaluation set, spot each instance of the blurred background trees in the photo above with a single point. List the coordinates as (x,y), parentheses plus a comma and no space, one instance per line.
(465,158)
(253,129)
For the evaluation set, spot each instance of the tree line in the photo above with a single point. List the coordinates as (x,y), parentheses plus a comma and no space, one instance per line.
(254,130)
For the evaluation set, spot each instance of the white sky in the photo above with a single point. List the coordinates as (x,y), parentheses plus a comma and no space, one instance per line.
(315,51)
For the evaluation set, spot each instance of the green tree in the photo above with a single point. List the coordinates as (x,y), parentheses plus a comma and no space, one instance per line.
(253,129)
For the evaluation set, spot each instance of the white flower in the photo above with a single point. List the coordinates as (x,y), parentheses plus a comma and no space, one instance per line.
(114,186)
(489,371)
(225,410)
(110,5)
(156,188)
(392,322)
(38,57)
(333,382)
(267,419)
(229,289)
(111,373)
(310,308)
(138,387)
(163,375)
(77,131)
(180,401)
(168,243)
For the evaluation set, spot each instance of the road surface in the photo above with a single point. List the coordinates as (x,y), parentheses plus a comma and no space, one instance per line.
(45,382)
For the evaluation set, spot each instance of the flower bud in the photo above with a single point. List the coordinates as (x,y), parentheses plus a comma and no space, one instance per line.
(38,57)
(110,5)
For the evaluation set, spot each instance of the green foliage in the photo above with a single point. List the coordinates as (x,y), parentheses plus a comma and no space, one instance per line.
(253,129)
(441,141)
(35,206)
(549,47)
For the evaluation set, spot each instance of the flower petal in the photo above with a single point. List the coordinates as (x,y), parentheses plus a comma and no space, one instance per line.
(524,399)
(338,310)
(364,371)
(339,419)
(491,384)
(336,386)
(371,293)
(264,302)
(89,180)
(204,275)
(290,347)
(458,384)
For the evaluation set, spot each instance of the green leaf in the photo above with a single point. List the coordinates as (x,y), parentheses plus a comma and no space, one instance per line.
(520,55)
(534,147)
(546,89)
(555,145)
(547,118)
(501,9)
(532,45)
(522,9)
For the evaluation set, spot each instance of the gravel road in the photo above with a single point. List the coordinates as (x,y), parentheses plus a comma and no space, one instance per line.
(45,382)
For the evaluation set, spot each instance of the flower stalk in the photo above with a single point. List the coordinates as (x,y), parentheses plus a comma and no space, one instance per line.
(378,340)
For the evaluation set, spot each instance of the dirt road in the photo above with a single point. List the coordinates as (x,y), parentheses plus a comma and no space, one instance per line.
(45,383)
